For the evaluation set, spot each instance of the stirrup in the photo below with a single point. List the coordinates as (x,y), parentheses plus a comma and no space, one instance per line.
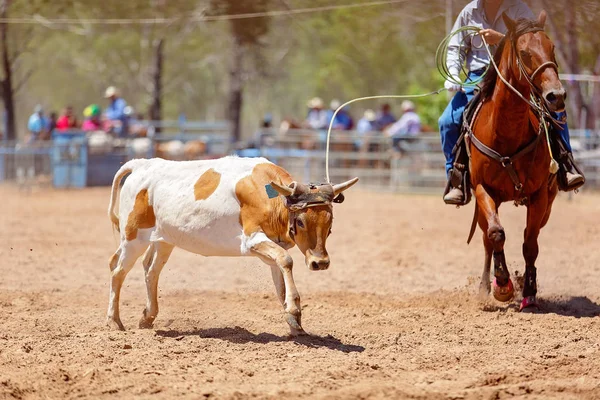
(570,177)
(458,180)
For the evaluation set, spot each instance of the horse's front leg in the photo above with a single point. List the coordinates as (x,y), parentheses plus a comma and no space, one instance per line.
(538,212)
(493,239)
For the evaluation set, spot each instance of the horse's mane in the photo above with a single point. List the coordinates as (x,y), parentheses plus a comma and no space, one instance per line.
(522,26)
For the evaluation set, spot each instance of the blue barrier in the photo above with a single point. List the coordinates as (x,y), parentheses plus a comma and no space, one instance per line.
(69,160)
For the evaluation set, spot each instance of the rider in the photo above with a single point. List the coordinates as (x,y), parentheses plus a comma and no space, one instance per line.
(487,15)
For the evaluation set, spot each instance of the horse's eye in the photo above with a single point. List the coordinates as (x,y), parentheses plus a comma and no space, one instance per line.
(300,224)
(525,55)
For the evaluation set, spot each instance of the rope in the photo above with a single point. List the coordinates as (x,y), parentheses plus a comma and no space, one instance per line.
(367,98)
(441,62)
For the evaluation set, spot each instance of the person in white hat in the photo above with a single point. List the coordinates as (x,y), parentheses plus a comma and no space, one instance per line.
(317,116)
(408,126)
(343,120)
(114,113)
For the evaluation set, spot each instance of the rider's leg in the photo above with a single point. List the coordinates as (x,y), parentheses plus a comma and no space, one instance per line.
(449,124)
(570,176)
(450,127)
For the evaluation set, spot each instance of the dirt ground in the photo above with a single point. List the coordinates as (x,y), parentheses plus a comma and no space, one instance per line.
(396,315)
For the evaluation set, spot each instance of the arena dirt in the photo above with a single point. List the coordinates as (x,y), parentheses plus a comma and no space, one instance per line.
(396,315)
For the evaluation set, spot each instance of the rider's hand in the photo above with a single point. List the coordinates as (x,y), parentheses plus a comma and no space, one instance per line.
(452,84)
(491,36)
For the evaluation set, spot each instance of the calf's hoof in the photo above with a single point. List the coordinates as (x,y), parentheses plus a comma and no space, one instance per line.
(294,323)
(503,293)
(114,325)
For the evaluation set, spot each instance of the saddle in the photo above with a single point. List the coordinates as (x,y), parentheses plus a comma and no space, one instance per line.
(459,175)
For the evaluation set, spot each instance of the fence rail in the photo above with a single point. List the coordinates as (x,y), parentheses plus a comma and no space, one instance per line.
(382,163)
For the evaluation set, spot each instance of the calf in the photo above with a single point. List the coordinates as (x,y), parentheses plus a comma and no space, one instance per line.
(226,207)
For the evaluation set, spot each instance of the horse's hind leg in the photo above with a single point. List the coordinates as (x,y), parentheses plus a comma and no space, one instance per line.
(494,238)
(538,212)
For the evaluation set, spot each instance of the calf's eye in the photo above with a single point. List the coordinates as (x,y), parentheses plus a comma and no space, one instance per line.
(300,224)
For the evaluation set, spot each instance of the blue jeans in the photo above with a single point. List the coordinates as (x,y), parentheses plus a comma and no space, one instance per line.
(451,121)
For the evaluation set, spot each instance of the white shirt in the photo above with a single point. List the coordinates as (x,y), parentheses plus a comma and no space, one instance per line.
(463,46)
(409,125)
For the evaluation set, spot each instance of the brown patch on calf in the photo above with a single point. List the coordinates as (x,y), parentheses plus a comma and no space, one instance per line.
(257,211)
(141,217)
(206,184)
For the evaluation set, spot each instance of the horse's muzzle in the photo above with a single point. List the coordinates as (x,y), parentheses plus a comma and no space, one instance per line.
(556,99)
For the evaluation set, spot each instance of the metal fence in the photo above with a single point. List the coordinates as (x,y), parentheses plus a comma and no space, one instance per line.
(403,165)
(383,163)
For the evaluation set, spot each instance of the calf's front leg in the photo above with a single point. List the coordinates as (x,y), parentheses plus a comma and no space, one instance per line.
(281,268)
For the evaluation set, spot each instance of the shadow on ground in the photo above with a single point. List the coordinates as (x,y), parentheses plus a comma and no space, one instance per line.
(240,335)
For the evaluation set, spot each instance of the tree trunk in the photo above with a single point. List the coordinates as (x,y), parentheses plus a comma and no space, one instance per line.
(6,82)
(574,87)
(234,113)
(155,113)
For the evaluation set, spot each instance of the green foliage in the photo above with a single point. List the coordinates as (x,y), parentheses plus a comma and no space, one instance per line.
(341,54)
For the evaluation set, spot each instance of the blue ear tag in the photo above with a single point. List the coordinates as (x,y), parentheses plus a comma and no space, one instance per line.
(272,193)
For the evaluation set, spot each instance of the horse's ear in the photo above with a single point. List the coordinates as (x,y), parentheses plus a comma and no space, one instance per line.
(542,18)
(509,22)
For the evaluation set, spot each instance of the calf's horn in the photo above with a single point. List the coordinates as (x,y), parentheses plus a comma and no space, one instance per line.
(340,187)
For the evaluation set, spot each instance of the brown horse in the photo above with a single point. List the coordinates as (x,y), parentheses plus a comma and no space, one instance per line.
(509,153)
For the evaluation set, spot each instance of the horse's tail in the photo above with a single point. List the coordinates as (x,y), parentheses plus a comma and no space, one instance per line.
(125,170)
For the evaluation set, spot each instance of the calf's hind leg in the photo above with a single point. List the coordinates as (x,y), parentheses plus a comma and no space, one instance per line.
(279,258)
(155,259)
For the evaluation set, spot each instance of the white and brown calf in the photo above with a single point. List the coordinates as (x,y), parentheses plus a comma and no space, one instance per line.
(217,208)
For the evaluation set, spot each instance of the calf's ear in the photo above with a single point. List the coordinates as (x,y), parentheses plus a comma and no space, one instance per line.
(283,189)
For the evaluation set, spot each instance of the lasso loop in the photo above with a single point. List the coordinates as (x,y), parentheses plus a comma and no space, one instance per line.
(441,62)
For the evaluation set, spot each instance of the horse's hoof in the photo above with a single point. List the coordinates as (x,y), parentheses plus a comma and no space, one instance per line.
(529,304)
(503,293)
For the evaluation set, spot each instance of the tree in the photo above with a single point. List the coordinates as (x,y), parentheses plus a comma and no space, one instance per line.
(246,39)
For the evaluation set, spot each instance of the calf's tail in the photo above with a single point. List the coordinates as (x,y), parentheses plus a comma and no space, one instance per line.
(125,170)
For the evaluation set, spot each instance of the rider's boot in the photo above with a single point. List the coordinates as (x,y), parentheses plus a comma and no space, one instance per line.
(570,176)
(454,191)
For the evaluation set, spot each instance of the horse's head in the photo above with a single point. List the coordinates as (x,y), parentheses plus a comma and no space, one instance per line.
(534,59)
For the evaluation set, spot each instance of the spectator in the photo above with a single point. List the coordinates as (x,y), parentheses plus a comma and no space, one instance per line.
(384,117)
(67,120)
(91,120)
(343,120)
(408,126)
(116,119)
(36,124)
(317,117)
(364,126)
(50,126)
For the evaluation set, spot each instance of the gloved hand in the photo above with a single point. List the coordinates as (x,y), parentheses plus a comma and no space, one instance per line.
(451,84)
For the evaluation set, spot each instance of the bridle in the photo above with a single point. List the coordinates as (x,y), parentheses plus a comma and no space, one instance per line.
(537,102)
